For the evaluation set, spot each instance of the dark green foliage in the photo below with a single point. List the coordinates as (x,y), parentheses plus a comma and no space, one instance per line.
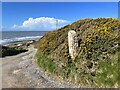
(96,63)
(9,51)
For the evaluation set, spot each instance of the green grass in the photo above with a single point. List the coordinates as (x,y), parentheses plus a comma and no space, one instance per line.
(46,63)
(107,75)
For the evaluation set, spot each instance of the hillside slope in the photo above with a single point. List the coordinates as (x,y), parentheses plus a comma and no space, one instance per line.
(96,64)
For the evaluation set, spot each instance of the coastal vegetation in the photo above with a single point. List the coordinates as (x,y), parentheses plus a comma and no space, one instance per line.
(14,48)
(97,61)
(8,51)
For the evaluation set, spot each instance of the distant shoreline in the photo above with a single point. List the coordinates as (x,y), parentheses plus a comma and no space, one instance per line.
(16,36)
(19,39)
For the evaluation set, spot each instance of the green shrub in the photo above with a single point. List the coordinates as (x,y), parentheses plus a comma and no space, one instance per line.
(9,51)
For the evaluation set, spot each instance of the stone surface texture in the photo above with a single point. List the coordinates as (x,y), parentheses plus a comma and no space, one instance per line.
(72,43)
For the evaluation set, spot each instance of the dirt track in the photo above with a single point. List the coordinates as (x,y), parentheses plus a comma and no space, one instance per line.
(20,71)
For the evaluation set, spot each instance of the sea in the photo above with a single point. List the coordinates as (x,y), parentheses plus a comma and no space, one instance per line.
(15,36)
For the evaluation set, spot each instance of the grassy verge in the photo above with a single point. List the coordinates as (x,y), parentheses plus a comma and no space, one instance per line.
(46,63)
(106,75)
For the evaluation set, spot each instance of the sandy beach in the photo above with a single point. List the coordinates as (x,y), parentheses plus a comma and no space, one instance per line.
(20,71)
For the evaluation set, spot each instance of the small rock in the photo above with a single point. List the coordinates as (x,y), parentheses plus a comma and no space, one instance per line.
(16,71)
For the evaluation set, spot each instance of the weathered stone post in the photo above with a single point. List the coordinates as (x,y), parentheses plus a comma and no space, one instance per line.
(72,43)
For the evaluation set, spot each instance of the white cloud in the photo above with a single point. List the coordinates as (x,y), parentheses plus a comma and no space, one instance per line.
(41,24)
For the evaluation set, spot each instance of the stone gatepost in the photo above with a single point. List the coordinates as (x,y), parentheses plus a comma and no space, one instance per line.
(72,43)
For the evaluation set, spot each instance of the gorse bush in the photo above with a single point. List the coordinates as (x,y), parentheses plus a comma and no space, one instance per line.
(96,62)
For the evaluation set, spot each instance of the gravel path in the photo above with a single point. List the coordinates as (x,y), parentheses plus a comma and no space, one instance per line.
(20,71)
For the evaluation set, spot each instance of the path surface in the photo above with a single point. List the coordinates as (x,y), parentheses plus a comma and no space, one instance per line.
(20,71)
